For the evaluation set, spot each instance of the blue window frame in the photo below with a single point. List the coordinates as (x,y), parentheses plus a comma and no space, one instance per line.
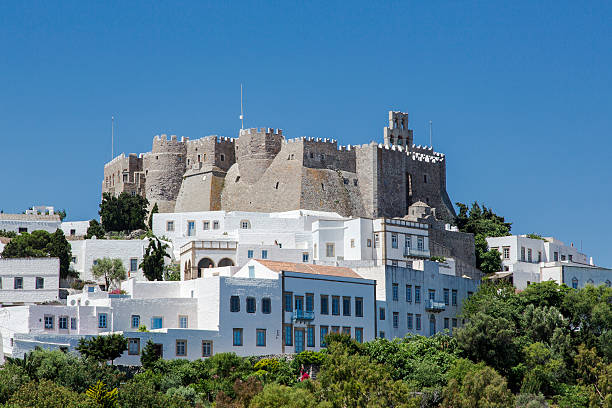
(417,294)
(288,300)
(359,334)
(237,337)
(395,291)
(324,304)
(135,321)
(309,302)
(359,307)
(266,306)
(409,321)
(133,264)
(336,305)
(446,297)
(418,322)
(102,321)
(261,337)
(409,293)
(381,313)
(305,257)
(288,335)
(310,336)
(324,331)
(264,254)
(250,253)
(156,322)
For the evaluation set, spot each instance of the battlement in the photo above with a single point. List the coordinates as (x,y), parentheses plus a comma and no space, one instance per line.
(164,138)
(267,131)
(115,160)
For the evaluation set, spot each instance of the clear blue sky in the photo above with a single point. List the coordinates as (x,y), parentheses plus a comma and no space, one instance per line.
(519,93)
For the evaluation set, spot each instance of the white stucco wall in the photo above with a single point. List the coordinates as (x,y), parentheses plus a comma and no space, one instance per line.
(88,250)
(29,269)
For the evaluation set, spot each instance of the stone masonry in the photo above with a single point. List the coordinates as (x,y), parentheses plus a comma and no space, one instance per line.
(263,171)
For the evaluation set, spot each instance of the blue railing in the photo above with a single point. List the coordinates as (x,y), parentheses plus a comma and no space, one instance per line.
(424,253)
(302,315)
(434,306)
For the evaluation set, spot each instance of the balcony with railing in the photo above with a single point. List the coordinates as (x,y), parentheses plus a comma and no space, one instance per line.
(414,252)
(302,315)
(434,306)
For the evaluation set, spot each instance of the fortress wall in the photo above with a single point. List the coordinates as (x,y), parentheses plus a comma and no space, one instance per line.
(114,171)
(366,167)
(255,151)
(331,190)
(164,167)
(458,245)
(325,154)
(277,189)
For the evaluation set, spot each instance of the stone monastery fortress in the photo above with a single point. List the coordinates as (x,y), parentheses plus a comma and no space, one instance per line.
(264,172)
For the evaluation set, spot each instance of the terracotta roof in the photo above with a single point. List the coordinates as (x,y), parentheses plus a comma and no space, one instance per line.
(278,266)
(29,217)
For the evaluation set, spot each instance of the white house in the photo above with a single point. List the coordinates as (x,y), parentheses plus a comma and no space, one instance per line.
(577,276)
(265,308)
(523,257)
(28,280)
(86,252)
(29,222)
(74,228)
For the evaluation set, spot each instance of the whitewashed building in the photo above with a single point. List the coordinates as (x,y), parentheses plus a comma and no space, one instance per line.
(29,222)
(74,228)
(265,308)
(524,258)
(28,280)
(577,276)
(86,252)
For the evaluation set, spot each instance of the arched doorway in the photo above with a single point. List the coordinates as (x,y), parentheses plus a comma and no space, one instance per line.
(203,264)
(226,262)
(187,272)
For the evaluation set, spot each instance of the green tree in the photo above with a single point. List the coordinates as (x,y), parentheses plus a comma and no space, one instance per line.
(111,270)
(62,214)
(148,355)
(101,396)
(47,394)
(544,370)
(483,223)
(491,340)
(280,396)
(350,380)
(40,244)
(172,272)
(12,377)
(547,293)
(142,394)
(155,210)
(95,229)
(103,348)
(152,264)
(480,387)
(589,311)
(123,213)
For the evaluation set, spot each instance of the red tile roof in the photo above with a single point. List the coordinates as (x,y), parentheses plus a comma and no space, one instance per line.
(278,266)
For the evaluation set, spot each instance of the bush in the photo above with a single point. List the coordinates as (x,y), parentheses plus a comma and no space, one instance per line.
(280,396)
(12,377)
(47,394)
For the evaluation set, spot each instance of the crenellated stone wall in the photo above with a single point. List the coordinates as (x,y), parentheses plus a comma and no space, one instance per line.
(263,171)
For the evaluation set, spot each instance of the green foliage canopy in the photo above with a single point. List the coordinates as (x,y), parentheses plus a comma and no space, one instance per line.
(41,244)
(123,213)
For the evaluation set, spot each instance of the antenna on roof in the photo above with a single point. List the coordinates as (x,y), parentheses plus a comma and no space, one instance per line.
(241,110)
(112,137)
(430,131)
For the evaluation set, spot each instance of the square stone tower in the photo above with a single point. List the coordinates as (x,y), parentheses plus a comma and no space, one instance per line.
(397,133)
